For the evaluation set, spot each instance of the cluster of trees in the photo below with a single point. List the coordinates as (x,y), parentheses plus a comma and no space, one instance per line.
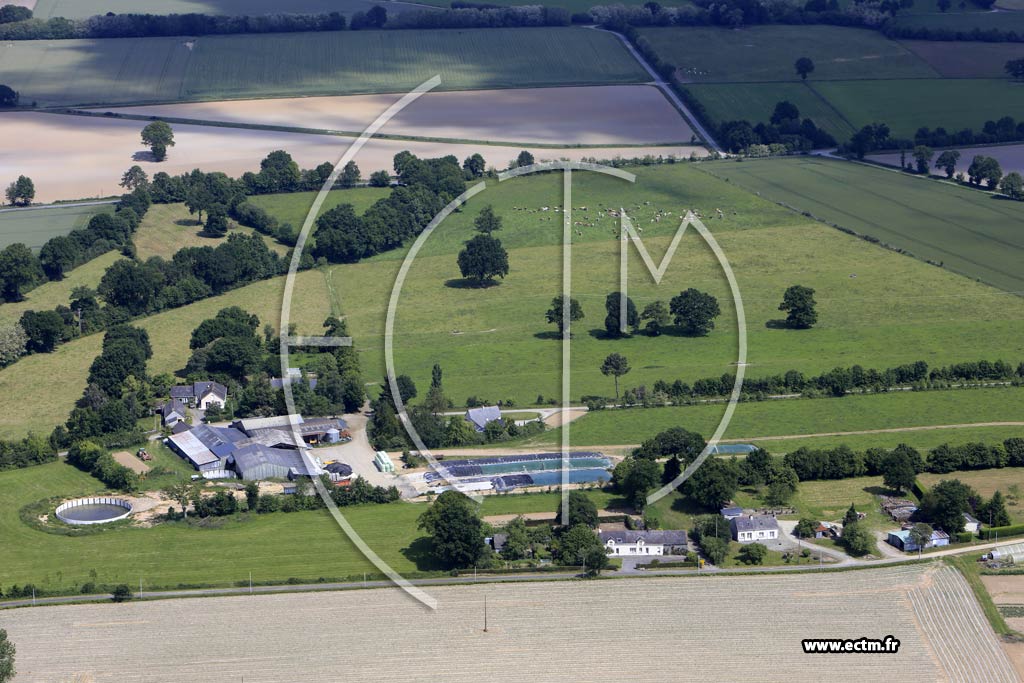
(786,132)
(921,32)
(22,191)
(90,457)
(31,450)
(435,430)
(836,382)
(944,504)
(8,96)
(692,311)
(117,394)
(427,185)
(226,348)
(900,465)
(877,136)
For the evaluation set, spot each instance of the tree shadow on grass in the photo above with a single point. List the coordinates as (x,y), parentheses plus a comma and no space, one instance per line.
(187,222)
(419,552)
(881,491)
(777,324)
(468,283)
(688,507)
(144,155)
(548,334)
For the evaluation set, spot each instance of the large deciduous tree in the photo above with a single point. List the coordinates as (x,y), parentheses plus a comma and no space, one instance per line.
(695,311)
(8,96)
(158,136)
(482,259)
(799,305)
(19,268)
(7,652)
(947,161)
(613,323)
(582,510)
(455,529)
(804,67)
(21,192)
(556,313)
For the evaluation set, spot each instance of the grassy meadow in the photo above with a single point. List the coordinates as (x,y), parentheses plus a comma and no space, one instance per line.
(969,232)
(139,70)
(33,227)
(755,102)
(169,227)
(806,416)
(767,53)
(49,295)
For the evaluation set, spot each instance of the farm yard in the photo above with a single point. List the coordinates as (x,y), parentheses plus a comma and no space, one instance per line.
(85,156)
(968,231)
(594,115)
(139,70)
(33,227)
(929,608)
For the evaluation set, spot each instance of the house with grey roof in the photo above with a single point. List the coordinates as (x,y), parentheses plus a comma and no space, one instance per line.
(754,528)
(201,395)
(479,417)
(173,412)
(628,543)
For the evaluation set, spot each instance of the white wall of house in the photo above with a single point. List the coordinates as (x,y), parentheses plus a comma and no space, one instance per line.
(209,399)
(636,549)
(752,536)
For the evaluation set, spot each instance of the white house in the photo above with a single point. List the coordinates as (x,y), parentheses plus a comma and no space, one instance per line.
(201,394)
(642,543)
(172,412)
(754,528)
(971,524)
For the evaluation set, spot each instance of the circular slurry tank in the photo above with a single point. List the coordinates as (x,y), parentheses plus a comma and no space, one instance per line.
(93,510)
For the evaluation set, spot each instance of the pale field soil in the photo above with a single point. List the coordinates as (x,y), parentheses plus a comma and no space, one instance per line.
(130,461)
(73,157)
(552,631)
(564,416)
(598,115)
(1010,158)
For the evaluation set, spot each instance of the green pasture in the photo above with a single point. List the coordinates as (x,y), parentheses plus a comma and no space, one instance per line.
(964,22)
(49,295)
(968,231)
(768,53)
(923,439)
(804,416)
(907,105)
(755,102)
(33,227)
(293,207)
(137,70)
(966,59)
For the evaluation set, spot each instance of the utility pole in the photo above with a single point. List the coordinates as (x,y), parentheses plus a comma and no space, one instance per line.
(140,587)
(485,612)
(250,583)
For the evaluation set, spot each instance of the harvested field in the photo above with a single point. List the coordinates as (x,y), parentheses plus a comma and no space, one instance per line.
(965,59)
(76,157)
(1010,157)
(130,461)
(597,115)
(140,70)
(930,609)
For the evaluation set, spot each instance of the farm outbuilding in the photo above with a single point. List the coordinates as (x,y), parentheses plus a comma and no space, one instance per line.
(255,462)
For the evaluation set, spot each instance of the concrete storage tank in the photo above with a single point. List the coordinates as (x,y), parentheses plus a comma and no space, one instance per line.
(332,435)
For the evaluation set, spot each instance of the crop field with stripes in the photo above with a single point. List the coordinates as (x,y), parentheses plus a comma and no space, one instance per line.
(690,627)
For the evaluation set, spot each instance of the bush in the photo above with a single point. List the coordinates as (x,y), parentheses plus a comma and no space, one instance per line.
(995,532)
(121,593)
(964,537)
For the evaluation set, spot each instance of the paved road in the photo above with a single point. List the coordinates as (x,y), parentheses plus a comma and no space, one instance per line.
(669,92)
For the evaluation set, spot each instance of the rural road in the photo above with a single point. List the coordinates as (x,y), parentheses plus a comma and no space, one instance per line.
(455,580)
(669,92)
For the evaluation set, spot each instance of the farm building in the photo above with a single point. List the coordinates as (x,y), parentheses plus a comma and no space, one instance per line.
(201,394)
(1012,554)
(260,451)
(293,376)
(626,543)
(971,523)
(828,530)
(730,513)
(172,412)
(479,417)
(314,430)
(901,539)
(753,528)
